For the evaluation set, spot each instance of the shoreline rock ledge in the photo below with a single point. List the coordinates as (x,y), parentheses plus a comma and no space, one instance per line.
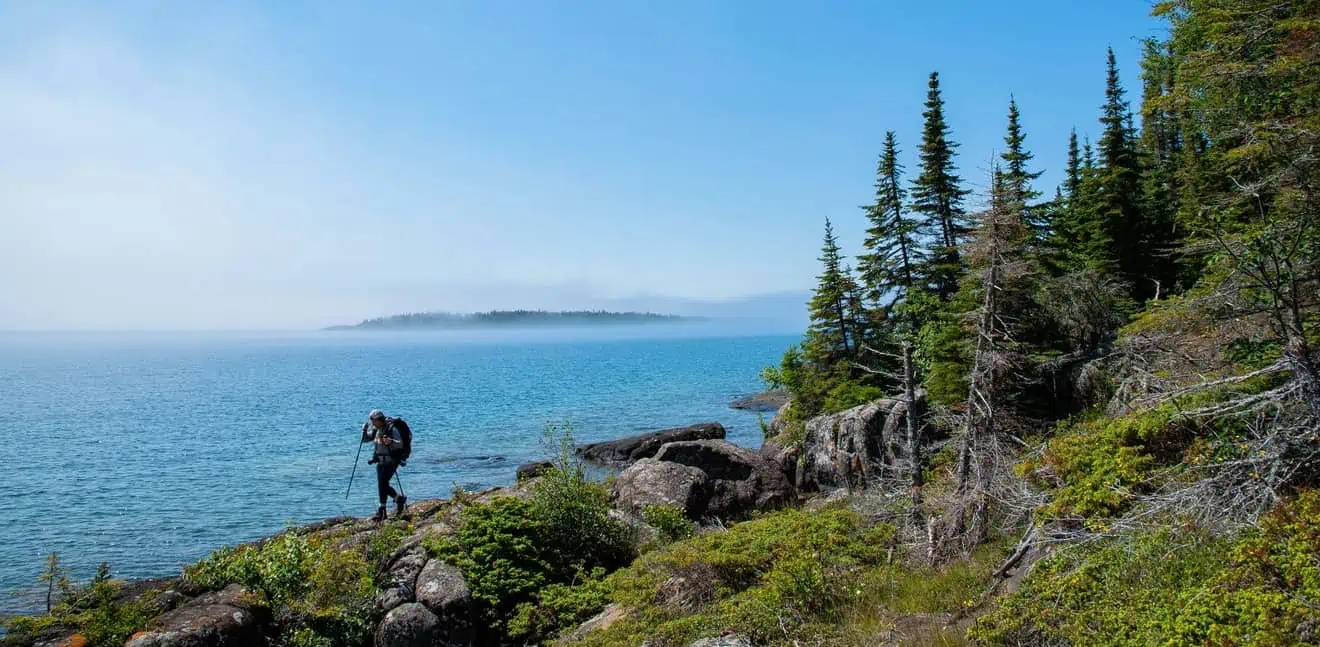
(626,451)
(763,402)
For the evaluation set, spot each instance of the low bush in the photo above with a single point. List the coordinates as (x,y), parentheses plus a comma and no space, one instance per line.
(672,522)
(520,555)
(324,595)
(791,572)
(558,607)
(1179,588)
(92,611)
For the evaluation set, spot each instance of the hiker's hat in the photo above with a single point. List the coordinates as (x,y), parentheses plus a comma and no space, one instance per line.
(376,414)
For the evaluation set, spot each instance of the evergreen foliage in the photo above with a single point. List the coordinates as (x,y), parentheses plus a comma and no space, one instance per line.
(937,195)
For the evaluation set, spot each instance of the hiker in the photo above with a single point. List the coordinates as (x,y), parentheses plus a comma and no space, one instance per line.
(393,441)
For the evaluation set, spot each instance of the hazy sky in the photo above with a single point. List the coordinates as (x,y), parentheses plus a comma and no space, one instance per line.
(176,164)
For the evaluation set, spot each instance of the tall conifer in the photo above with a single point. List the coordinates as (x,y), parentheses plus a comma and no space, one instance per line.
(1118,180)
(890,265)
(831,336)
(938,196)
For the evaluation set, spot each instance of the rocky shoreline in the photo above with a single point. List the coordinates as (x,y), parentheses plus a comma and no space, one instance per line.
(426,601)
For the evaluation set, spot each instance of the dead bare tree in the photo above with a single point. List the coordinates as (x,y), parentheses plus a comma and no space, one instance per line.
(999,253)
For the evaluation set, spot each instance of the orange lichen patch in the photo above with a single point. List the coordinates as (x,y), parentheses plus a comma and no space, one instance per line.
(76,640)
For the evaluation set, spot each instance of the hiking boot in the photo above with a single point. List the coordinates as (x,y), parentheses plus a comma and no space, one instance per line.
(380,514)
(399,503)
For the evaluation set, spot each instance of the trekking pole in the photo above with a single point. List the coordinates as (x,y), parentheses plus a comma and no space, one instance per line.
(400,480)
(355,462)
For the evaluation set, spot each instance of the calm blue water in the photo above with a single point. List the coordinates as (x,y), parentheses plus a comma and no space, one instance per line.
(149,451)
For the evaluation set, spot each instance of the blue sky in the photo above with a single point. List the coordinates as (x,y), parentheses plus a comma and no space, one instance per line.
(176,164)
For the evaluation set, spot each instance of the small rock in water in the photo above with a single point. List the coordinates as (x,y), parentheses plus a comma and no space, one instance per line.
(534,469)
(765,401)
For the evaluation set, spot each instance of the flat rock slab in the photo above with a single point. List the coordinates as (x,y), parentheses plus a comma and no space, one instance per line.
(722,641)
(626,451)
(765,401)
(227,618)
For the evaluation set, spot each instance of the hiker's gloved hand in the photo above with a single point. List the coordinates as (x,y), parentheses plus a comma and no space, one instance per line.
(403,463)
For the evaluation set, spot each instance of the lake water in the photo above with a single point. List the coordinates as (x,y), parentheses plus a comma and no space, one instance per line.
(148,451)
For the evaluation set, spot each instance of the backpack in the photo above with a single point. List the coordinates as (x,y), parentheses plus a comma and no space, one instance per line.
(401,453)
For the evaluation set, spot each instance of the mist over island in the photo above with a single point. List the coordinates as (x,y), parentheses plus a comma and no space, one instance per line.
(515,318)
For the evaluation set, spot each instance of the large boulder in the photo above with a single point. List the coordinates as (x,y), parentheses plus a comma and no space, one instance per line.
(229,618)
(442,589)
(653,482)
(786,457)
(740,481)
(409,625)
(626,451)
(850,448)
(401,579)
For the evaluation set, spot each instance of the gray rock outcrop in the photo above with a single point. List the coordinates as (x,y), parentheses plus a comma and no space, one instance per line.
(626,451)
(402,579)
(722,641)
(228,618)
(534,469)
(704,478)
(850,448)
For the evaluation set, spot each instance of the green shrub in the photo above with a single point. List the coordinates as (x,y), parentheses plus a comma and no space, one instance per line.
(672,522)
(387,539)
(1268,592)
(325,595)
(816,389)
(277,569)
(90,610)
(790,570)
(1104,463)
(1117,594)
(557,607)
(511,550)
(1175,588)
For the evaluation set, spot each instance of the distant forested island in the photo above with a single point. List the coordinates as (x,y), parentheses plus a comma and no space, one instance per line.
(499,318)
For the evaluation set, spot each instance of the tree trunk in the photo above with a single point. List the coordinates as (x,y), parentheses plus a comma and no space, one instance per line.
(913,440)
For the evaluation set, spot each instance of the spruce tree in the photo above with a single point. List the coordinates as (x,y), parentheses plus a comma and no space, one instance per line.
(1018,177)
(1065,224)
(1119,188)
(1073,179)
(830,338)
(889,266)
(1001,278)
(938,196)
(1160,146)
